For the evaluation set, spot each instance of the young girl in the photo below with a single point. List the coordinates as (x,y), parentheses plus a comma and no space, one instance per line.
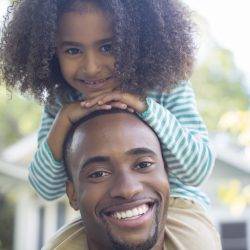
(81,55)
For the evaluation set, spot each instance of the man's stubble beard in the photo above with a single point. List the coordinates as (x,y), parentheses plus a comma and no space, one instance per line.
(147,245)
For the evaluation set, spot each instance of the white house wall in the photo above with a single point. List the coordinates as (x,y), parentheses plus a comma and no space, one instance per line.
(50,220)
(26,217)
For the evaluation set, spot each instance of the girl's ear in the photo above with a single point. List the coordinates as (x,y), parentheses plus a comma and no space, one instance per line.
(71,193)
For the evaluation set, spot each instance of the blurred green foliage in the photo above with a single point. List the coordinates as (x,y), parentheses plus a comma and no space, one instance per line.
(218,84)
(18,117)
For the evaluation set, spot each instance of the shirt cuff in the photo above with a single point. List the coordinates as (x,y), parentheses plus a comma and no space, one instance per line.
(146,113)
(50,154)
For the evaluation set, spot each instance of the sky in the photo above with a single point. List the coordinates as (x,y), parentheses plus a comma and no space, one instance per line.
(228,21)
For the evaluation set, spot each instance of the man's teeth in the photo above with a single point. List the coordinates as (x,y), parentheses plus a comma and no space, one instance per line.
(132,212)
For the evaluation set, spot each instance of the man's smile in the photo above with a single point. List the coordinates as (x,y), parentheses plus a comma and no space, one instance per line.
(130,215)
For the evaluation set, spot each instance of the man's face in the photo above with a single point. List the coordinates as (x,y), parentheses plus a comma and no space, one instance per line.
(119,182)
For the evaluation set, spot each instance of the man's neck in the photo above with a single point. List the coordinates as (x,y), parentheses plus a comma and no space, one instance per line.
(94,245)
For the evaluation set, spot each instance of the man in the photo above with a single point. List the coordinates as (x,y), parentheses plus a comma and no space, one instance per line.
(118,181)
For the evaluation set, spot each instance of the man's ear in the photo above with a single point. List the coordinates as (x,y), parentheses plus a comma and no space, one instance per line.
(71,193)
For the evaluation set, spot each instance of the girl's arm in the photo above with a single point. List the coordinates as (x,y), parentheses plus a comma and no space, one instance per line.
(46,174)
(183,134)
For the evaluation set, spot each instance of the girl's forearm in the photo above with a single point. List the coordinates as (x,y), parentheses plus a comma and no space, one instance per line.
(57,135)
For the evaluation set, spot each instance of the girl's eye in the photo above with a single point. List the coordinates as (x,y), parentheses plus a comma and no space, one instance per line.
(72,51)
(144,165)
(106,48)
(98,174)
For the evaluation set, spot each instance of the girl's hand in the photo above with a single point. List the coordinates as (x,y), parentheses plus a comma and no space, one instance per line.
(68,115)
(73,112)
(116,99)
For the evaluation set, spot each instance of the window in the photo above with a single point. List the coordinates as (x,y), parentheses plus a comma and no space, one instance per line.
(234,236)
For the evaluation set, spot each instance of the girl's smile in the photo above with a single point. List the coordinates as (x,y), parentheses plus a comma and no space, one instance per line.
(84,50)
(96,84)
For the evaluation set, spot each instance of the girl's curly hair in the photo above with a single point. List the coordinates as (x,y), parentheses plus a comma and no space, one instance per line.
(153,45)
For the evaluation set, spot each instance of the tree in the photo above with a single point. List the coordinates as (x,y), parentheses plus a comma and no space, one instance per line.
(218,84)
(238,124)
(18,117)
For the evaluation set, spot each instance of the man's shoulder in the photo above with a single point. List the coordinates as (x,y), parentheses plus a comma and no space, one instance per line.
(72,236)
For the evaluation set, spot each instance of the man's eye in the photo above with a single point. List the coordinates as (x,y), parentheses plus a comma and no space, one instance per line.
(72,51)
(143,165)
(106,48)
(98,174)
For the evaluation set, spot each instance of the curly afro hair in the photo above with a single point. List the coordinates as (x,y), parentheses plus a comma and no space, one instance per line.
(153,45)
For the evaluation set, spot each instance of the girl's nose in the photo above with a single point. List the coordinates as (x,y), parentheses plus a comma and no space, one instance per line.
(91,65)
(126,186)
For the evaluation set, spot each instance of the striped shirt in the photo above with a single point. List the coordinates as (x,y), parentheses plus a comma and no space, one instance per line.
(176,121)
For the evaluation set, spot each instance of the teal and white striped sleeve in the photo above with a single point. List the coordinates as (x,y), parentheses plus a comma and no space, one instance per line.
(176,121)
(46,175)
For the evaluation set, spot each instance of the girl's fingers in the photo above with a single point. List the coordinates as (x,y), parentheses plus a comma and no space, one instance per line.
(130,110)
(82,104)
(111,97)
(118,105)
(100,100)
(111,104)
(87,104)
(121,105)
(91,102)
(101,107)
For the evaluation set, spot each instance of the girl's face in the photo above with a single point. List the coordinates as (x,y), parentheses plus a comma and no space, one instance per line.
(84,50)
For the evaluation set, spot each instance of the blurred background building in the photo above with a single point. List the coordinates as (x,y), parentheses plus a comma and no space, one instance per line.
(221,82)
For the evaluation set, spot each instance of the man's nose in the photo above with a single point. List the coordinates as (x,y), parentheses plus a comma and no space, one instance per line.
(125,186)
(91,65)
